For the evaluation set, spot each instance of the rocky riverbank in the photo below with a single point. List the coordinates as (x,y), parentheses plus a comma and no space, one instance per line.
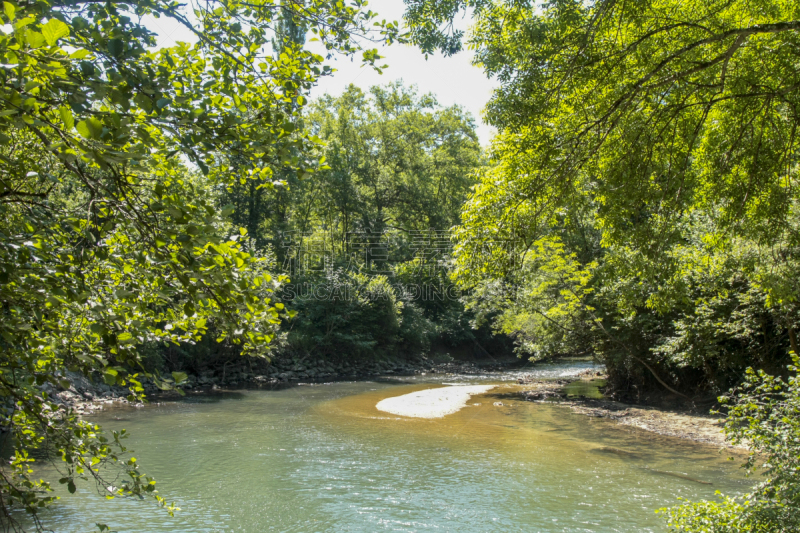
(691,424)
(86,396)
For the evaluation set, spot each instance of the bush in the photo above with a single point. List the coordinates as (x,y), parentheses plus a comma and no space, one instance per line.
(765,414)
(344,314)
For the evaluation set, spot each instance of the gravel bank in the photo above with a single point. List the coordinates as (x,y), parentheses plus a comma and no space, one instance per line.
(698,427)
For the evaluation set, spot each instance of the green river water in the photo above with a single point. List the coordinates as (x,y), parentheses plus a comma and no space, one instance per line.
(322,458)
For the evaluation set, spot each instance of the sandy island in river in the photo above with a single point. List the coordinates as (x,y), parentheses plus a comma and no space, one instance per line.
(432,403)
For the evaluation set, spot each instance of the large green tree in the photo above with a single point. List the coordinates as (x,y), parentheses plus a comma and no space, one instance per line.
(651,109)
(108,238)
(399,167)
(663,131)
(398,161)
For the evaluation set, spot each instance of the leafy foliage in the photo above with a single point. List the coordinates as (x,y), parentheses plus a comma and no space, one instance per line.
(397,169)
(763,413)
(345,313)
(398,160)
(109,237)
(655,141)
(649,109)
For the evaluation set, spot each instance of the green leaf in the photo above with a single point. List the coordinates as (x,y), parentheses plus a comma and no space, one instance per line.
(71,486)
(83,129)
(66,117)
(23,22)
(95,127)
(10,10)
(79,54)
(116,47)
(91,128)
(34,39)
(175,212)
(54,30)
(179,377)
(110,376)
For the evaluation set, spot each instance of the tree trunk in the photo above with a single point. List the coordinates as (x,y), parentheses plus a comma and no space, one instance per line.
(793,340)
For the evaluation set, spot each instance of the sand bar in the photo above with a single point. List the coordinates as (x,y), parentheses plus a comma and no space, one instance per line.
(432,403)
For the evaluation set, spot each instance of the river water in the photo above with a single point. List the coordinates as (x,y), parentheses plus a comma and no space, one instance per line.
(322,458)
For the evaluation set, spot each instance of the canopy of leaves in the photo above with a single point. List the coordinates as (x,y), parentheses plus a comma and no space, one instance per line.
(647,109)
(657,142)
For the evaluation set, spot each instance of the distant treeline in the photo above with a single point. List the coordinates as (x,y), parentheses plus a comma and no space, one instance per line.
(365,240)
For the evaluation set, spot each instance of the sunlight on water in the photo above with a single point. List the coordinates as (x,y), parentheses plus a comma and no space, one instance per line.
(323,458)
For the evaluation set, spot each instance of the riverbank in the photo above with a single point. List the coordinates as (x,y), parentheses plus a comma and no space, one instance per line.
(690,424)
(86,396)
(580,394)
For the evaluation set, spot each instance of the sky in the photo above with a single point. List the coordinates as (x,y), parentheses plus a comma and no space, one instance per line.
(453,80)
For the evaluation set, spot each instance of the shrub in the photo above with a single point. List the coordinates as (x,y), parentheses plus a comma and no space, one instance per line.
(763,413)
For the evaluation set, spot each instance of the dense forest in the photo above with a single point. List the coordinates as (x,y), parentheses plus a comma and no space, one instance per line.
(643,181)
(168,210)
(364,245)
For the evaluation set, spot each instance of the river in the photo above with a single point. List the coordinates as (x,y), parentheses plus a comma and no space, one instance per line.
(321,458)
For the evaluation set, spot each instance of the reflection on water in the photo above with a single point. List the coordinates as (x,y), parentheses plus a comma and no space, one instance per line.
(322,458)
(587,388)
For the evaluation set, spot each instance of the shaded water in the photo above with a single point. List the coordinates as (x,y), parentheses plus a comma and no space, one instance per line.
(322,458)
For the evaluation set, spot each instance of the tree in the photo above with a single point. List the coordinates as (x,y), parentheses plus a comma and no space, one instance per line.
(108,239)
(650,125)
(651,109)
(398,160)
(399,168)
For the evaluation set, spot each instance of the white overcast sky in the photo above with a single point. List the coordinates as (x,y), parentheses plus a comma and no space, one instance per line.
(452,80)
